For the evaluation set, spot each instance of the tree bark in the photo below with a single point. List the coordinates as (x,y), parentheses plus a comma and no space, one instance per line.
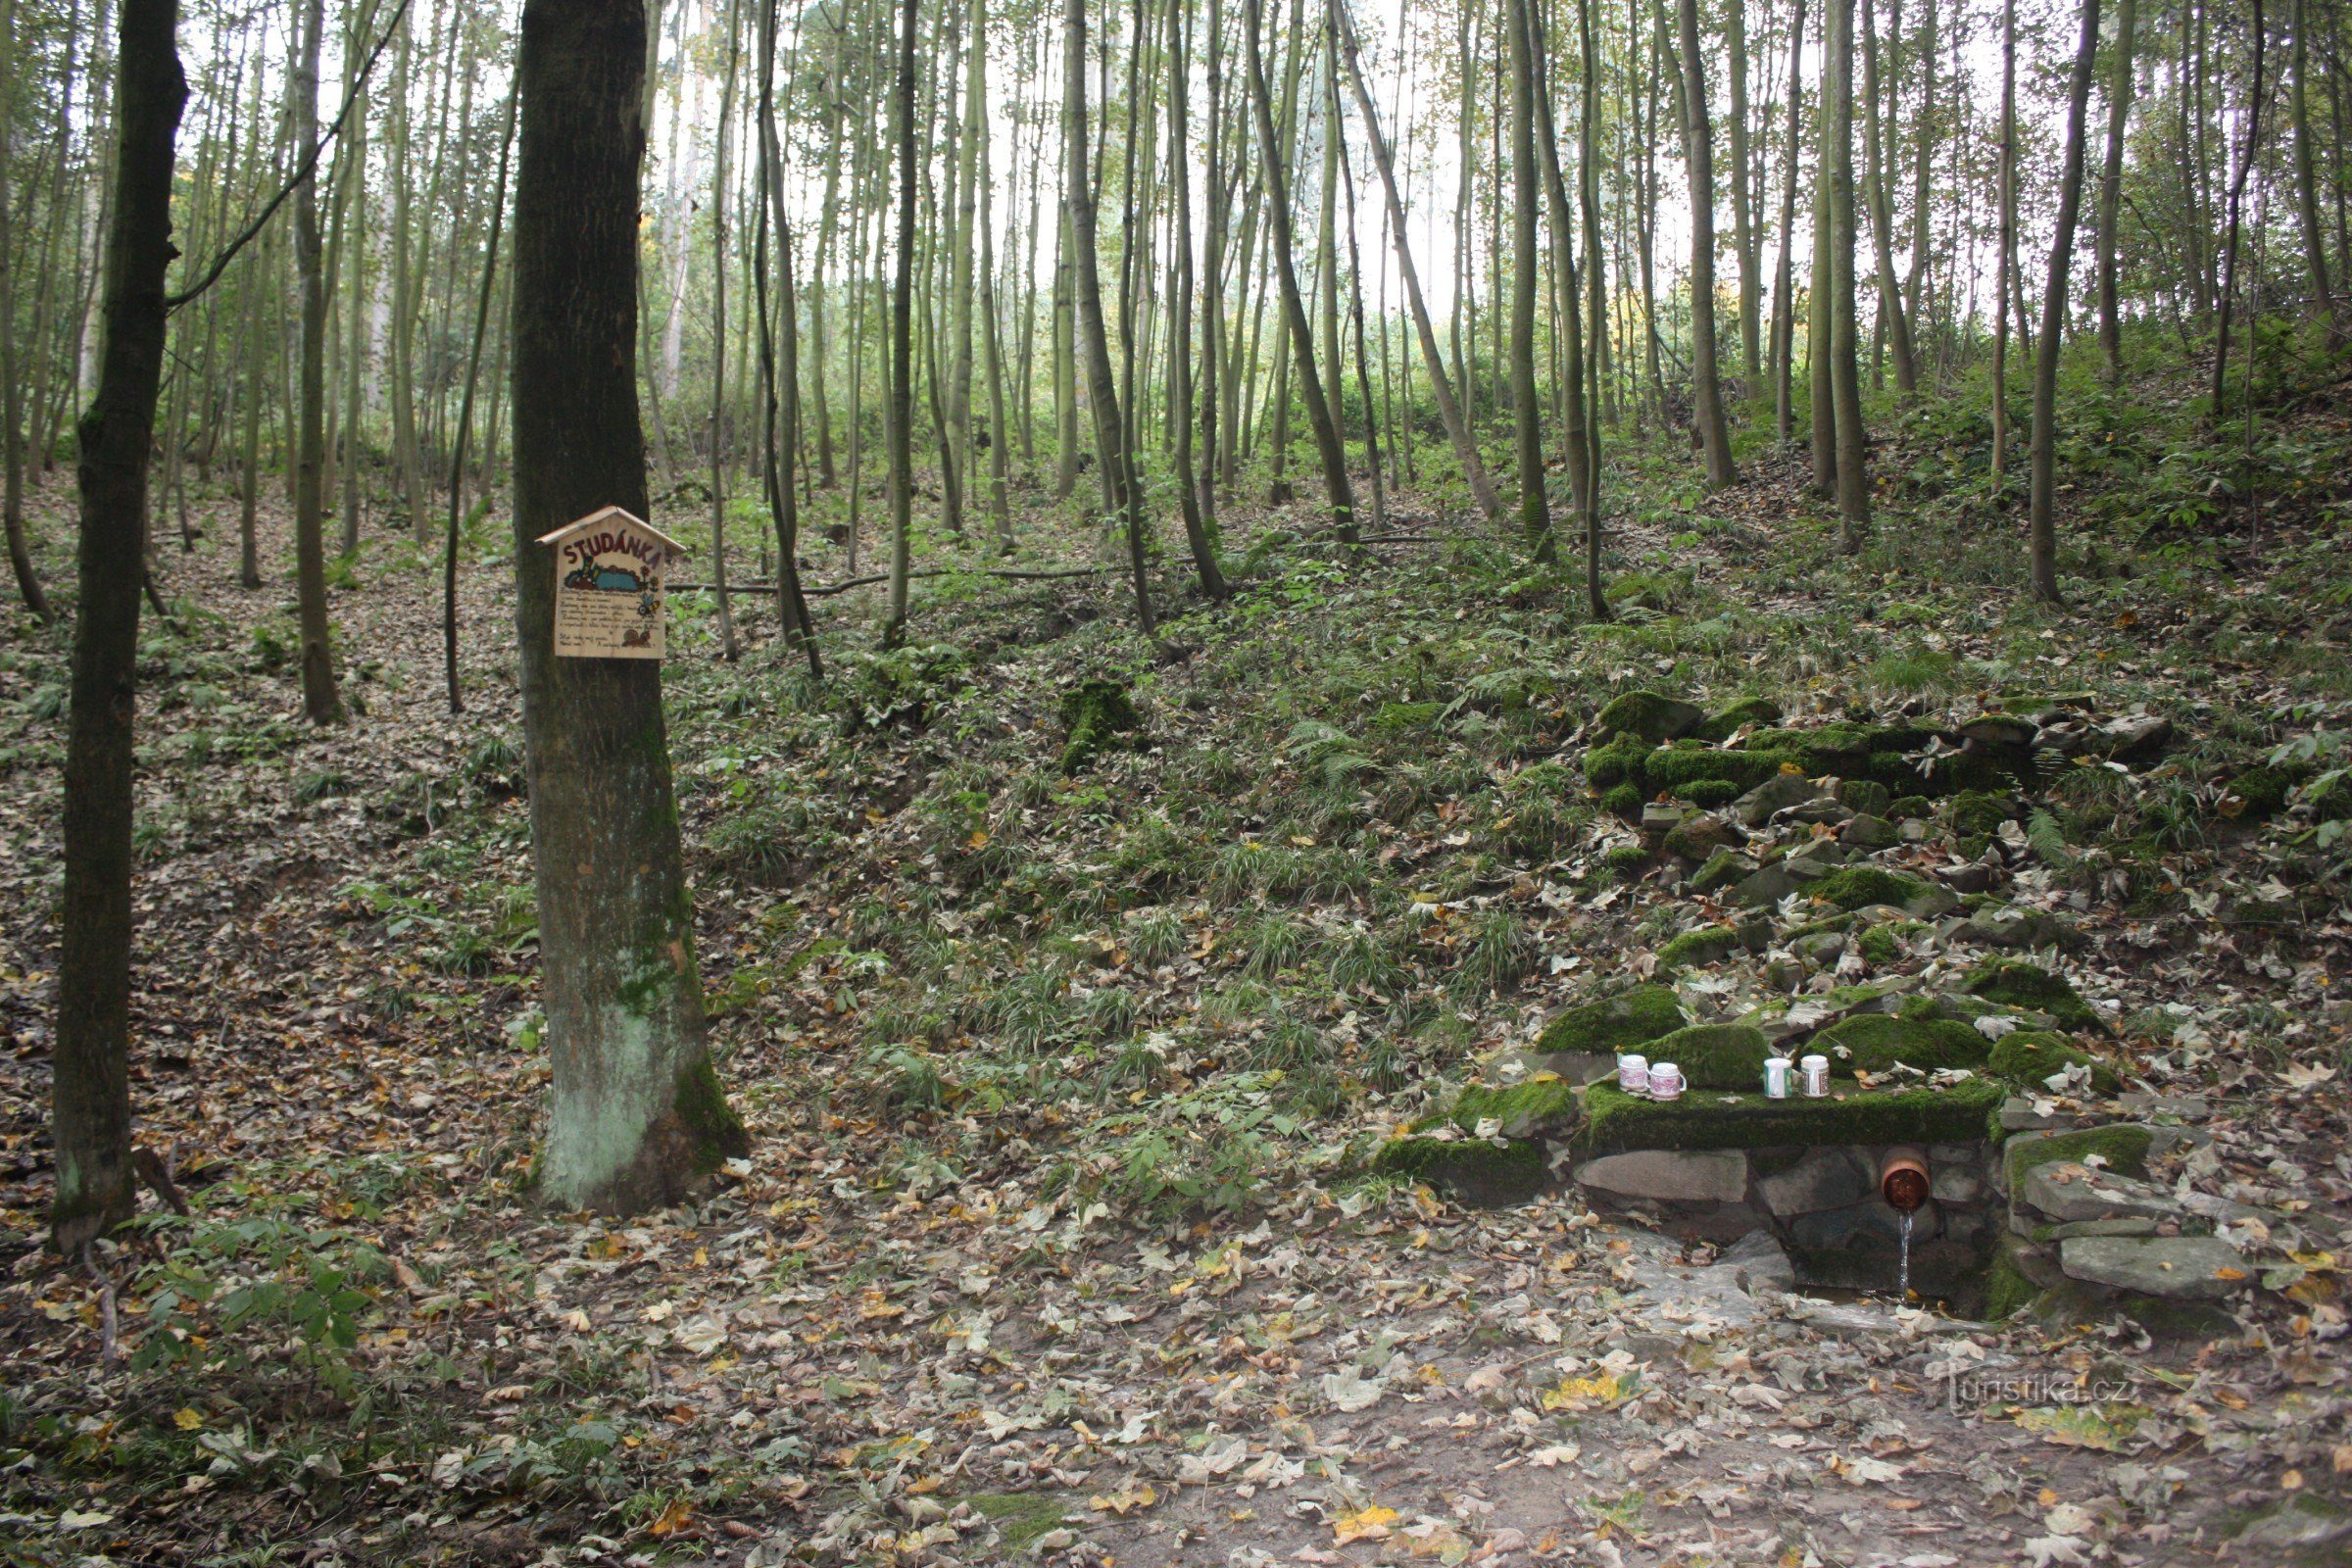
(1527,414)
(90,1072)
(638,1115)
(321,704)
(1189,485)
(12,401)
(1336,484)
(2110,182)
(2307,202)
(2041,518)
(1846,383)
(1783,281)
(1699,145)
(2005,265)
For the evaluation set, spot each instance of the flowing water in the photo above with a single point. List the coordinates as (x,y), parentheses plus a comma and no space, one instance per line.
(1903,1278)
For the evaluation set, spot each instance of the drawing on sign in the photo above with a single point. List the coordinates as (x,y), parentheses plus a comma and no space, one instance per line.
(609,569)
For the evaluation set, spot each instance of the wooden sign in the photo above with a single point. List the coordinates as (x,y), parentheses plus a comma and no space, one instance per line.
(608,569)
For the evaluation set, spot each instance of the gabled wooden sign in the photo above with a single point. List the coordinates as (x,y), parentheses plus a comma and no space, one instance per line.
(609,571)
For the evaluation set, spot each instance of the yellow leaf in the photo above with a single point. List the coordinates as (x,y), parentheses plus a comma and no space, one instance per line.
(186,1420)
(1125,1502)
(674,1518)
(1368,1524)
(2083,1426)
(1605,1389)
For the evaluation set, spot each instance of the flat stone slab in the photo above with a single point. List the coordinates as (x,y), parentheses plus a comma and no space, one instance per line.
(1706,1176)
(1826,1178)
(2179,1268)
(2067,1191)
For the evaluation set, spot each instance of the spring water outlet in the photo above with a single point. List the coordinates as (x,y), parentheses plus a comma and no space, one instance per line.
(1903,1177)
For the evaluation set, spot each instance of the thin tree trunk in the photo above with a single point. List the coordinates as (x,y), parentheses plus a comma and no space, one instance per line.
(1527,414)
(719,197)
(1846,385)
(1698,143)
(2111,184)
(2040,519)
(90,1066)
(1743,224)
(1449,411)
(2229,243)
(12,402)
(321,704)
(2307,203)
(1189,485)
(899,435)
(474,370)
(1784,282)
(1882,209)
(1336,484)
(2005,265)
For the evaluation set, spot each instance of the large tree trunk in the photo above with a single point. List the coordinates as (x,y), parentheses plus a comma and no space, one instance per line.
(1743,200)
(1335,485)
(1699,145)
(638,1115)
(2040,519)
(320,703)
(898,432)
(1449,411)
(90,1072)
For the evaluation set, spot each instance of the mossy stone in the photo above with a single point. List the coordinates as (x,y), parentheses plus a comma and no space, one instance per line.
(2264,789)
(1707,793)
(2007,1289)
(1706,945)
(1880,945)
(1671,767)
(1649,714)
(1626,860)
(1522,1109)
(1618,762)
(1907,808)
(1614,1023)
(1469,1168)
(2122,1145)
(1095,715)
(1623,801)
(1866,797)
(1709,1119)
(1857,887)
(1715,1056)
(1720,726)
(2030,988)
(1722,869)
(2028,1056)
(1875,1041)
(1979,813)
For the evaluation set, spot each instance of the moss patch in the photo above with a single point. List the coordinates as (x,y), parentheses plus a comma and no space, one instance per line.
(1715,1056)
(2006,1288)
(2124,1146)
(1651,715)
(2028,1056)
(1094,713)
(1692,949)
(2014,983)
(1856,887)
(1675,767)
(1522,1109)
(1021,1517)
(719,1134)
(1720,727)
(1470,1168)
(1873,1041)
(1614,1023)
(1705,1119)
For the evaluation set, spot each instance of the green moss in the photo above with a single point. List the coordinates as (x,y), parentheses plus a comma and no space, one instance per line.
(1720,726)
(1021,1517)
(1715,1056)
(2263,789)
(1470,1168)
(1522,1109)
(1692,949)
(1873,1041)
(1625,801)
(1674,766)
(701,1103)
(1880,945)
(1614,1023)
(1707,1119)
(1095,715)
(1979,813)
(2015,983)
(2122,1146)
(2006,1288)
(1628,860)
(1619,761)
(1906,808)
(2028,1056)
(1856,887)
(1708,793)
(1648,714)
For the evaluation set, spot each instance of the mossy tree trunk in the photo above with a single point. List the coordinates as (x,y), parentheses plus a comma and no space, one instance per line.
(90,1085)
(637,1112)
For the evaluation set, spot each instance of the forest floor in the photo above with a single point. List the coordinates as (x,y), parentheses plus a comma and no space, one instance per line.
(1059,1240)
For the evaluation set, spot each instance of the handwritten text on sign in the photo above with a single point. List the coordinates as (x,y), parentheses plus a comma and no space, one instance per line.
(608,571)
